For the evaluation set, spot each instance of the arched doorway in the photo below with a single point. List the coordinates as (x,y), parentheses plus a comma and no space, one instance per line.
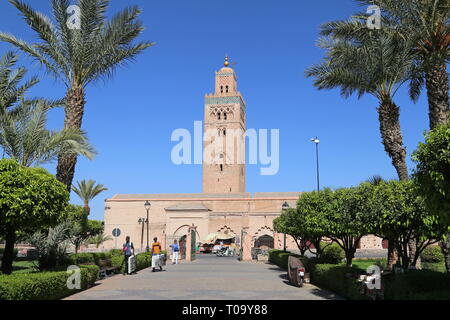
(265,242)
(180,235)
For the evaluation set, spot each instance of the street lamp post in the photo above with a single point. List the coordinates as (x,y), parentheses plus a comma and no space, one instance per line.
(143,221)
(147,206)
(317,141)
(284,207)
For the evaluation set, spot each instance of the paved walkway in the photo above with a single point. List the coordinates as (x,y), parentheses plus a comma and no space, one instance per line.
(207,278)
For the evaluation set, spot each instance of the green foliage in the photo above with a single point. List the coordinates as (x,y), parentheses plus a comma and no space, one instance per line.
(52,246)
(433,170)
(88,190)
(43,285)
(89,257)
(417,285)
(30,198)
(143,260)
(339,279)
(79,58)
(116,252)
(432,254)
(398,214)
(332,254)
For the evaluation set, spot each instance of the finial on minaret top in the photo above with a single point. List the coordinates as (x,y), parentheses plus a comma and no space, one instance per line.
(226,63)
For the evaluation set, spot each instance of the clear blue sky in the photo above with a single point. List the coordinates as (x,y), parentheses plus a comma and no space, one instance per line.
(130,119)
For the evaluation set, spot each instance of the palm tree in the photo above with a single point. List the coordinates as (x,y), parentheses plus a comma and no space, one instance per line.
(375,180)
(78,57)
(100,239)
(23,133)
(373,62)
(88,190)
(425,22)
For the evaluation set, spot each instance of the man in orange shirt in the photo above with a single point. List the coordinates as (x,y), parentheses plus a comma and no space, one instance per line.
(156,251)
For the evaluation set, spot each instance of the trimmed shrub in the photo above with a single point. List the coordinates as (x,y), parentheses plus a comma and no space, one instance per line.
(143,260)
(339,279)
(432,254)
(116,252)
(417,285)
(332,254)
(280,258)
(89,257)
(43,285)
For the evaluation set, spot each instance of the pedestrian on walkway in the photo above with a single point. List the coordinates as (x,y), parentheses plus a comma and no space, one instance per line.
(175,252)
(156,252)
(128,251)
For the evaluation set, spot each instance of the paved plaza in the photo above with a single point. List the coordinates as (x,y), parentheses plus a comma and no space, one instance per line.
(207,278)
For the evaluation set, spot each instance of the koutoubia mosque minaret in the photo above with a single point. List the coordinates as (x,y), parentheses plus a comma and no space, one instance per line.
(225,120)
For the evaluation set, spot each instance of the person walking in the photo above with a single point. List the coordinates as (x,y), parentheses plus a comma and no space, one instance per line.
(175,252)
(128,251)
(156,251)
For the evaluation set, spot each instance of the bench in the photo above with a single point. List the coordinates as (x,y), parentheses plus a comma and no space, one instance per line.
(106,268)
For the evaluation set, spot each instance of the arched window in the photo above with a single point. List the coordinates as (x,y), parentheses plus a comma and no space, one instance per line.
(224,116)
(221,89)
(218,115)
(221,167)
(224,132)
(226,88)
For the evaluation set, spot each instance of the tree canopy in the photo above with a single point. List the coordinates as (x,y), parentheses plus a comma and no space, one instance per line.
(30,199)
(433,170)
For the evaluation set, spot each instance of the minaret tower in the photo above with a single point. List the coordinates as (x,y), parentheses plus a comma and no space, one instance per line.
(224,122)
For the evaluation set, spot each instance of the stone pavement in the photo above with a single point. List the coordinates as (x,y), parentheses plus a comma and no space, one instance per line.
(207,278)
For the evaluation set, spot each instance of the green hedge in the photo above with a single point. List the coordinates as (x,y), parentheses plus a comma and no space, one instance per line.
(89,257)
(280,257)
(339,279)
(417,285)
(143,260)
(328,276)
(43,285)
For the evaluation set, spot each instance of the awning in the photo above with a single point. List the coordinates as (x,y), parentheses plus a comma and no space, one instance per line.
(211,237)
(225,235)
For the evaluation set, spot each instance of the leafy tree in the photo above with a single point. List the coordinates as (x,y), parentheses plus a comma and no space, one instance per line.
(81,228)
(433,177)
(366,61)
(289,223)
(313,210)
(78,57)
(88,190)
(433,170)
(398,214)
(30,199)
(348,220)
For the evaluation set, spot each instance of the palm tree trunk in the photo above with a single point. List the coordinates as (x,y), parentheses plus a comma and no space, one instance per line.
(437,90)
(391,135)
(389,117)
(75,101)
